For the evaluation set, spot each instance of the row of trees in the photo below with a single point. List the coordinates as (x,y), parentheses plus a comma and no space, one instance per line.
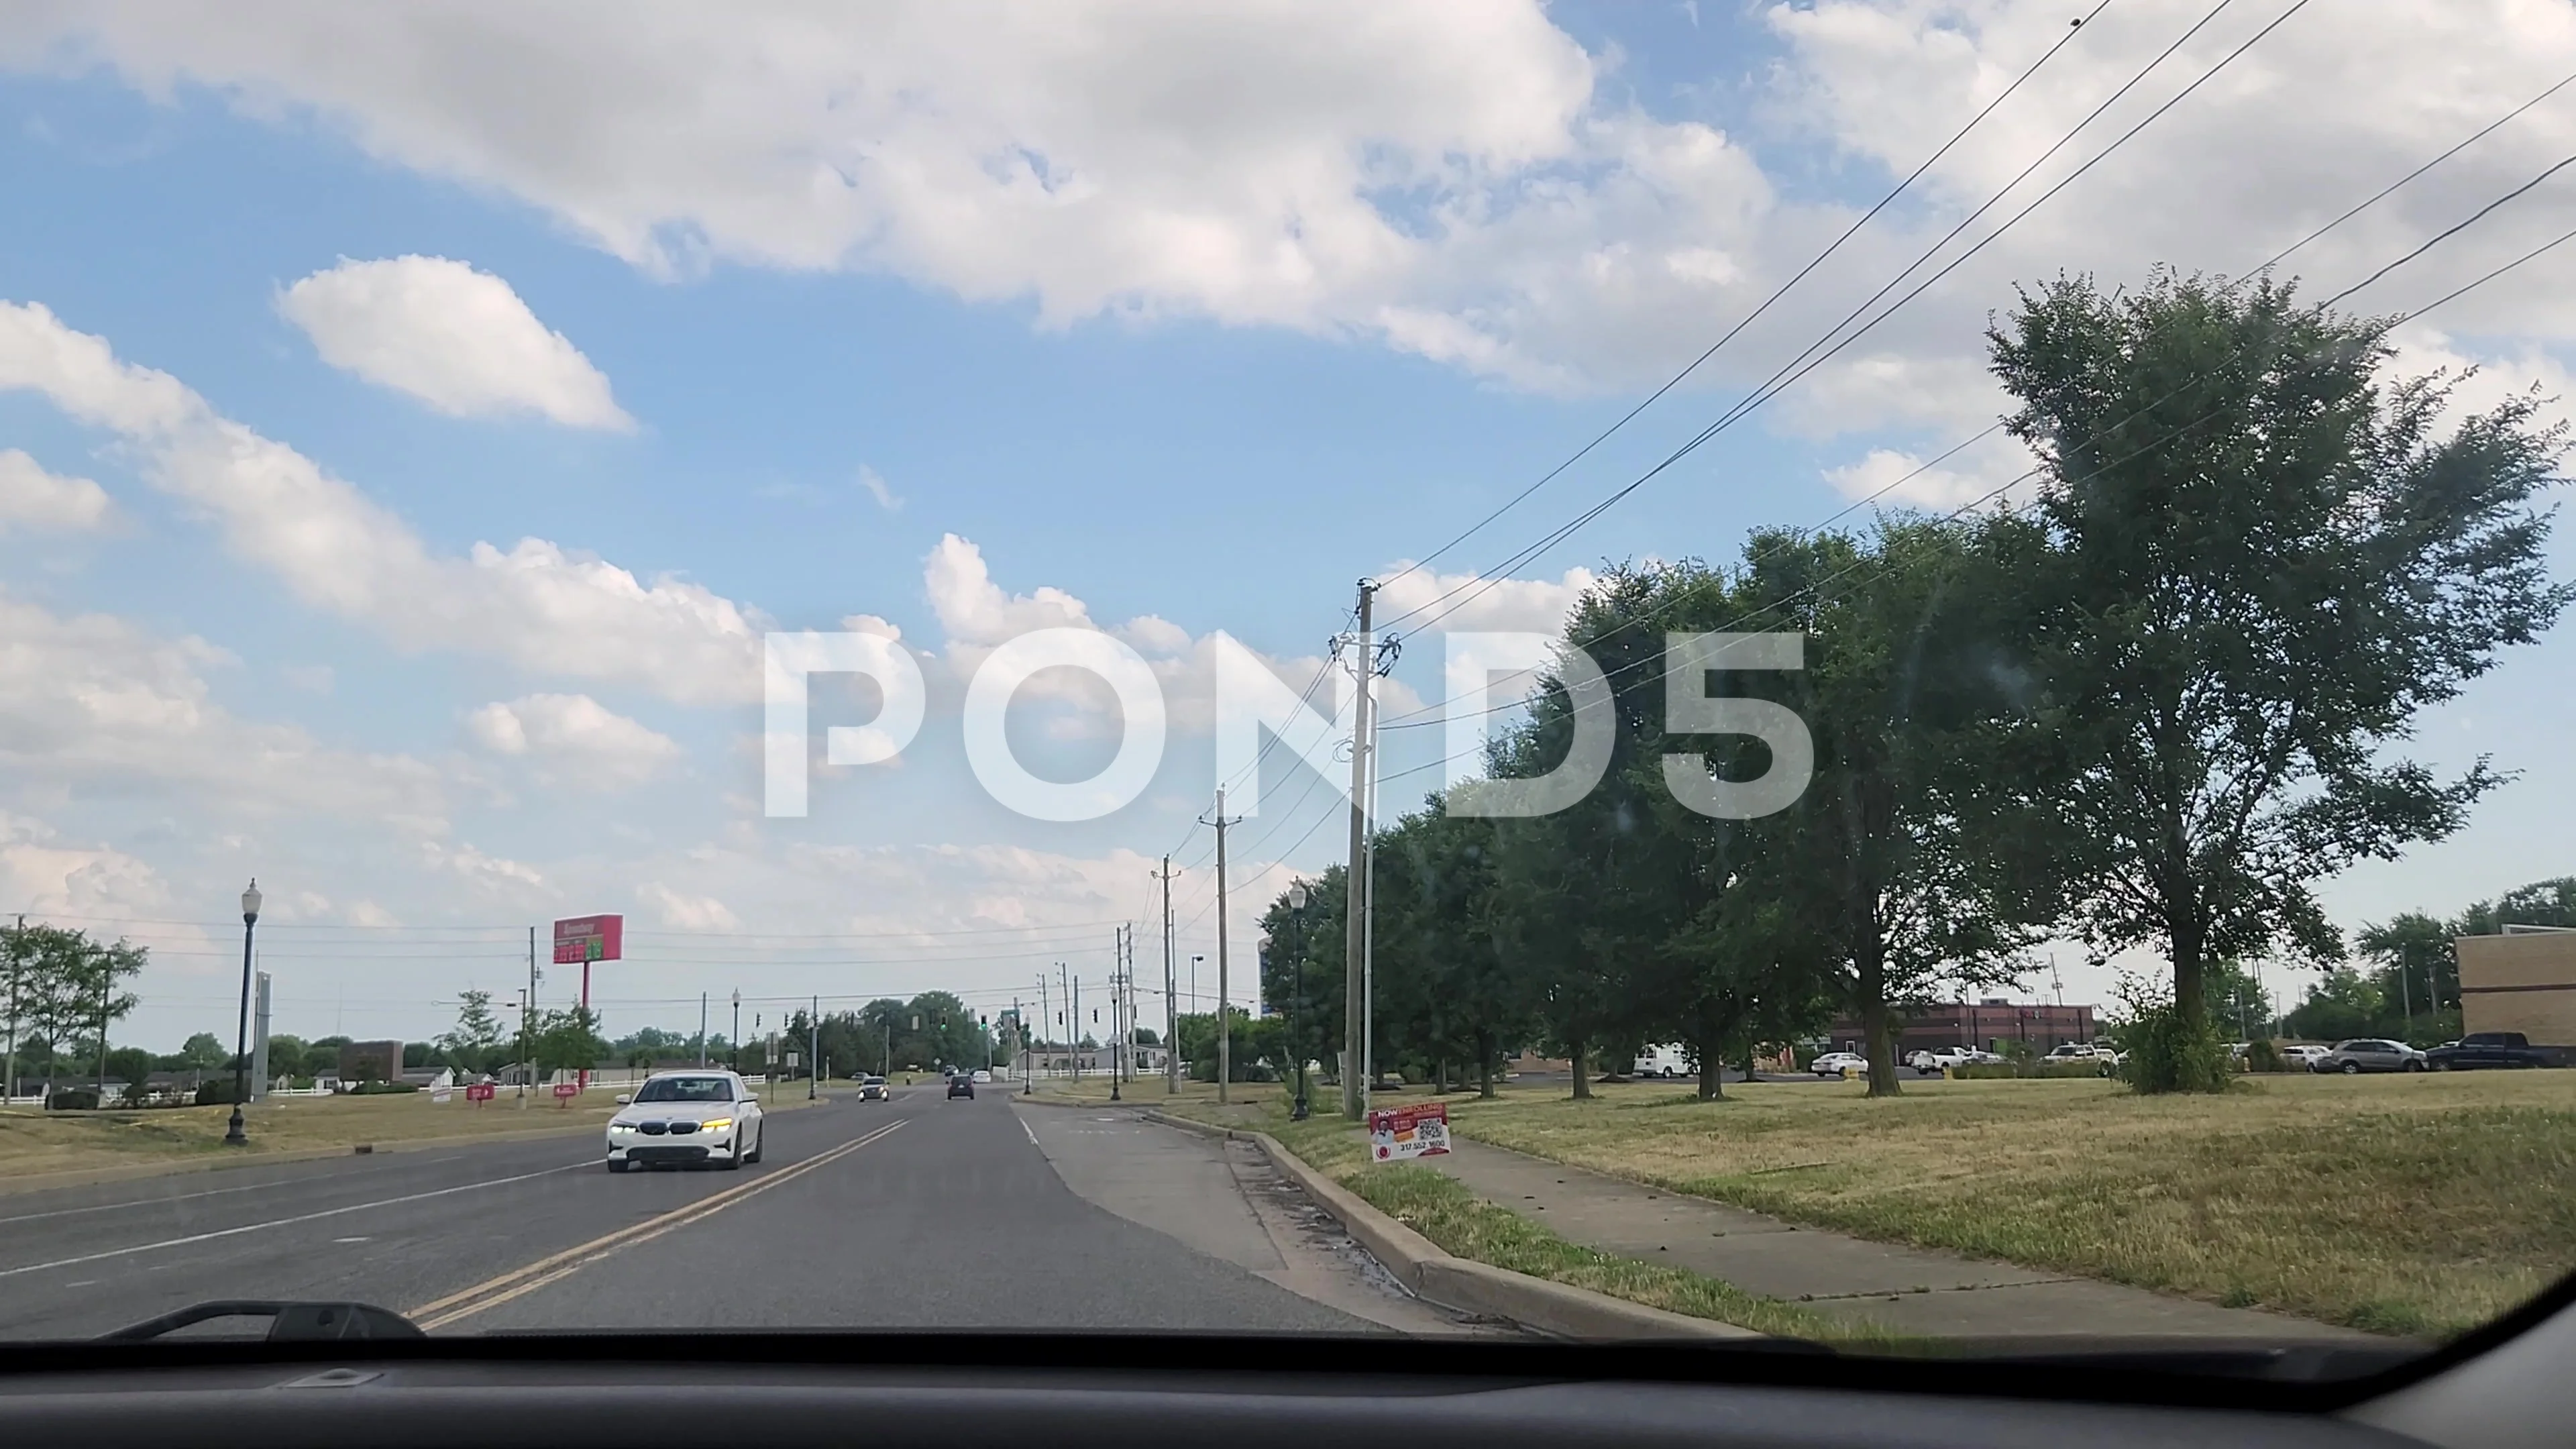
(2152,708)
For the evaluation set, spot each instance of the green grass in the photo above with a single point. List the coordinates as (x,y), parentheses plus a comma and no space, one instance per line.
(2409,1205)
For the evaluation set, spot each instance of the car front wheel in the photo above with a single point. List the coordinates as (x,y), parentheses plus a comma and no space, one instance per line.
(616,1166)
(2414,1066)
(759,1141)
(2352,1069)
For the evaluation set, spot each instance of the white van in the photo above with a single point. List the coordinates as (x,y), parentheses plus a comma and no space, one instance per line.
(1663,1061)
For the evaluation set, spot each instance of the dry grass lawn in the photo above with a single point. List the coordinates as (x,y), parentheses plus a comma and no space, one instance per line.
(2420,1205)
(33,1142)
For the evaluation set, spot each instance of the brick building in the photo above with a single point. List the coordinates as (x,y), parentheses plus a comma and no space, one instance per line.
(1988,1023)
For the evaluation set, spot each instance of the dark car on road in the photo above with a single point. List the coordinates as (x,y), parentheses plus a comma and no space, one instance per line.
(961,1085)
(873,1089)
(2369,1054)
(2481,1049)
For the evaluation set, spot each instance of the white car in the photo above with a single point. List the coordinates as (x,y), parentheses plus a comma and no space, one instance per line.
(2305,1054)
(982,1076)
(1947,1057)
(1831,1064)
(686,1119)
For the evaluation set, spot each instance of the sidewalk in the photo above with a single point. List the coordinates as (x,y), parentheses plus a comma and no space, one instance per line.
(1909,1290)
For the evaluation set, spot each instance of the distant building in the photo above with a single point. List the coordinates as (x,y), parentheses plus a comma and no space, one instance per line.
(2523,980)
(1988,1024)
(371,1061)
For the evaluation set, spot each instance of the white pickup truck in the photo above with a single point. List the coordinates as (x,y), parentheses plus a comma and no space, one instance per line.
(1943,1058)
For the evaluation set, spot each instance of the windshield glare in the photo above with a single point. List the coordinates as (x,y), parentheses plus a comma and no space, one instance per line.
(1891,674)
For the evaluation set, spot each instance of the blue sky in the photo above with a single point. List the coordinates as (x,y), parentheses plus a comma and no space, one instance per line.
(1189,353)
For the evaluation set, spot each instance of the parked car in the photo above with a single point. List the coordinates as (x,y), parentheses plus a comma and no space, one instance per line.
(2105,1059)
(2369,1054)
(2304,1054)
(1944,1058)
(2481,1049)
(1833,1064)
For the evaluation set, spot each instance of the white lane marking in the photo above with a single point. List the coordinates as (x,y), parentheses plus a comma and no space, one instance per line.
(1033,1137)
(289,1222)
(353,1240)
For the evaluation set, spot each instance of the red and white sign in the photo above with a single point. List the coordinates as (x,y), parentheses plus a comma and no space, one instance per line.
(1403,1132)
(478,1091)
(567,1090)
(589,938)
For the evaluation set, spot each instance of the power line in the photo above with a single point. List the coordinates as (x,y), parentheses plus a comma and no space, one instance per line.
(1784,377)
(1419,718)
(1750,317)
(2001,488)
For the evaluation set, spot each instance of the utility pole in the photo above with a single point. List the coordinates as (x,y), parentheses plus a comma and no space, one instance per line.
(1117,956)
(528,1024)
(17,949)
(1355,909)
(1224,1023)
(1073,993)
(1171,1001)
(1046,1013)
(814,1051)
(1028,1057)
(735,1041)
(702,1028)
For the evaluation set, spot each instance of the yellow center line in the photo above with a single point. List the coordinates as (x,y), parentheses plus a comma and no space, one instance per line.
(492,1292)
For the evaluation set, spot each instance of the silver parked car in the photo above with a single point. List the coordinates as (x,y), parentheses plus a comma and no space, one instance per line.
(2369,1054)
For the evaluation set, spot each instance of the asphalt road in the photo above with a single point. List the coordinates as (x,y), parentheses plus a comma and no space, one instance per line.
(917,1212)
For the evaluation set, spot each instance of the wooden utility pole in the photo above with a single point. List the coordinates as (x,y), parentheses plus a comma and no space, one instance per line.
(1224,1023)
(1355,888)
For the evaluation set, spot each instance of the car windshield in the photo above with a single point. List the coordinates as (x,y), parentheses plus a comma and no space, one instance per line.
(1625,634)
(686,1089)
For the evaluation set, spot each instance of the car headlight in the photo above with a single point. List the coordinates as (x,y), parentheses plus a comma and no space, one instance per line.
(621,1126)
(715,1124)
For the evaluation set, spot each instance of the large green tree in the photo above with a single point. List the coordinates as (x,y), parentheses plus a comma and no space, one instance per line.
(2254,561)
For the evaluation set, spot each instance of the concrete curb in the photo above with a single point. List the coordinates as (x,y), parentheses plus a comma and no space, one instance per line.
(1438,1276)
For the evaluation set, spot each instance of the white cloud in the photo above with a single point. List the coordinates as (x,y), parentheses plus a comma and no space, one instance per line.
(41,875)
(91,699)
(684,912)
(30,497)
(575,739)
(1468,183)
(538,605)
(490,877)
(1424,598)
(1891,478)
(457,339)
(879,489)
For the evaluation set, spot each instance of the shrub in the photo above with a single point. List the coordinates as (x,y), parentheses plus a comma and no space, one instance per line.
(216,1092)
(1975,1071)
(378,1089)
(2166,1054)
(73,1099)
(2262,1056)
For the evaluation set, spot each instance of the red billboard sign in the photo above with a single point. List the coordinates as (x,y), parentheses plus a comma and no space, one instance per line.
(567,1089)
(478,1091)
(589,938)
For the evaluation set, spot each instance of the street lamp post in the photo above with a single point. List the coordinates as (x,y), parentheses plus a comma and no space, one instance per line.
(233,1135)
(736,1038)
(1297,1000)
